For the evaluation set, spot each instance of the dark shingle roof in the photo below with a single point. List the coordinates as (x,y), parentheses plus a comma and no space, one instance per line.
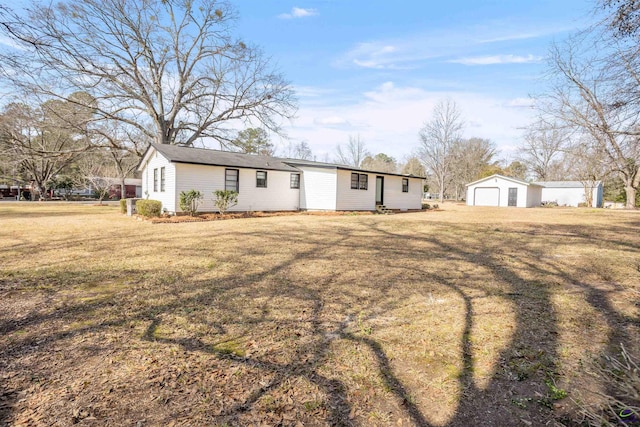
(205,156)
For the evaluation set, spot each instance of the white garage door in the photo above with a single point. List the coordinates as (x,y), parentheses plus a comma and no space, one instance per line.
(487,196)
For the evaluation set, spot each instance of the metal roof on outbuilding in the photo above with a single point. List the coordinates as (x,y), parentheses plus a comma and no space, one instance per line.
(508,178)
(564,184)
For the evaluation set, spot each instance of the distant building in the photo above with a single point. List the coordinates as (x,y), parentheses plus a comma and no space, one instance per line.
(498,190)
(571,193)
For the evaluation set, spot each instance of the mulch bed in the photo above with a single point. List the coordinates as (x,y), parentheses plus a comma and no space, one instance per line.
(235,215)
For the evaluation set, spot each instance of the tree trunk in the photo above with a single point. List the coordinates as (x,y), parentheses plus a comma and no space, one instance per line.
(442,189)
(630,191)
(123,190)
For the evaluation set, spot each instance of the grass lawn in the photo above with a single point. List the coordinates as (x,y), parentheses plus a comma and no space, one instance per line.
(464,316)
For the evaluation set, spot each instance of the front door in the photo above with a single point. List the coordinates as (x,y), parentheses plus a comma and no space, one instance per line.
(513,197)
(379,190)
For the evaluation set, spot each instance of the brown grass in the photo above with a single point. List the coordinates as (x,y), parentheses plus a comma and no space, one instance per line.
(465,316)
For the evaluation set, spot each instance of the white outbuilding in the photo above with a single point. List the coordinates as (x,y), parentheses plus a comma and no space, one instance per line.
(498,190)
(572,193)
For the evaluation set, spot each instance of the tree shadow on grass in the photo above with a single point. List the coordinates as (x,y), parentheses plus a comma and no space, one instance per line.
(535,326)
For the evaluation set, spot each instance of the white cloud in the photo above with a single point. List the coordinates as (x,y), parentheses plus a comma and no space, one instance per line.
(520,103)
(414,50)
(389,116)
(496,59)
(331,121)
(298,12)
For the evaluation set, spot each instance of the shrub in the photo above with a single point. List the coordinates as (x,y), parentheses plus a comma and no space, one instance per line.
(149,208)
(189,201)
(123,206)
(549,204)
(426,206)
(225,199)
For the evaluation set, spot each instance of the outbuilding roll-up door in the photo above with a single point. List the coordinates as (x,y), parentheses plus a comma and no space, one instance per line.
(487,197)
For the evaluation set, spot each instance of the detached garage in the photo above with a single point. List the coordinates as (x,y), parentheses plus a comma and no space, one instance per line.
(498,190)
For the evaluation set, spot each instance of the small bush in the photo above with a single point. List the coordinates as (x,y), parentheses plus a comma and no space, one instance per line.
(149,208)
(189,201)
(123,206)
(582,205)
(549,204)
(426,206)
(225,199)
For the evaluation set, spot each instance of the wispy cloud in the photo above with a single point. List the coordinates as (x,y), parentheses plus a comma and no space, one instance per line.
(520,103)
(6,41)
(462,44)
(331,121)
(298,12)
(496,59)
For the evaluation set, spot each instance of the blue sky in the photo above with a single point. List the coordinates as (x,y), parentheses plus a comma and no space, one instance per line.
(376,68)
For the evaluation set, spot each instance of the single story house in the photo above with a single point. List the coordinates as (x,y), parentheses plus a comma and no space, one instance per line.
(571,193)
(268,183)
(498,190)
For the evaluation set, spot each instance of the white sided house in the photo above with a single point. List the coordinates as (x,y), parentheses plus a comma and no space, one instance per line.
(498,190)
(572,193)
(268,183)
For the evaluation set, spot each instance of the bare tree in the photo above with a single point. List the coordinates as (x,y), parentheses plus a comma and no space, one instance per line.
(299,150)
(586,96)
(123,148)
(353,153)
(543,151)
(625,16)
(588,164)
(42,140)
(169,68)
(468,158)
(97,173)
(437,139)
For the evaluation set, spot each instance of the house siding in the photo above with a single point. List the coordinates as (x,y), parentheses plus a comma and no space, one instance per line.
(349,199)
(277,196)
(394,198)
(168,196)
(318,188)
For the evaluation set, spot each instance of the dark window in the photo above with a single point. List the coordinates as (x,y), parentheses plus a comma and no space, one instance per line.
(359,181)
(231,180)
(364,181)
(261,179)
(354,181)
(162,179)
(405,185)
(155,180)
(295,180)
